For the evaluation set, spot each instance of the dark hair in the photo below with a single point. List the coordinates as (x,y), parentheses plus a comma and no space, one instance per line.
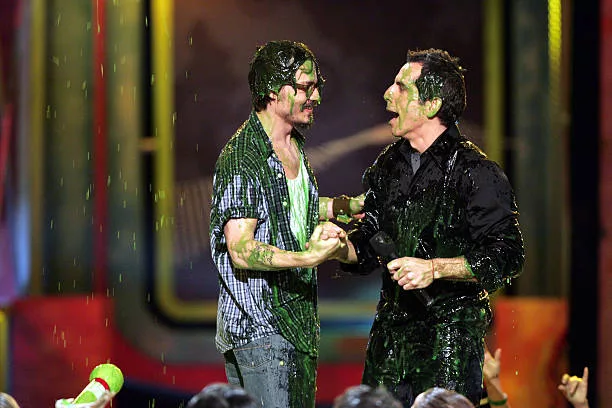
(222,395)
(275,65)
(441,77)
(364,396)
(441,398)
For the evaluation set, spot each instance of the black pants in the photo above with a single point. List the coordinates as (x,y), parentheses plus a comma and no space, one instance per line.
(442,348)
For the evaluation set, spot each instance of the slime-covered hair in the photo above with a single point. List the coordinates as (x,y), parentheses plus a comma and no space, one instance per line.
(441,77)
(275,65)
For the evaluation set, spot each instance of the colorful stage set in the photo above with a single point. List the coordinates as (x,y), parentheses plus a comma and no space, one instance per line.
(112,116)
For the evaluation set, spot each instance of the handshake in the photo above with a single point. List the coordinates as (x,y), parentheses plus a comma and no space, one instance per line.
(328,241)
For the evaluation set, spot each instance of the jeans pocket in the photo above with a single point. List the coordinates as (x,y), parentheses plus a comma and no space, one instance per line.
(254,354)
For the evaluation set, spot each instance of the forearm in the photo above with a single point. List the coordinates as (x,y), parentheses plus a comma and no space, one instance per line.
(259,256)
(326,210)
(496,397)
(452,269)
(341,208)
(360,258)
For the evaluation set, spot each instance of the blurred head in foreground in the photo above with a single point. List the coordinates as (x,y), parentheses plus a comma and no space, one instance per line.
(364,396)
(222,395)
(441,398)
(6,401)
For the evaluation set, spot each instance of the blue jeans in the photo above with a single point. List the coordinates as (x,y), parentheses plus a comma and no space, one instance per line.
(273,372)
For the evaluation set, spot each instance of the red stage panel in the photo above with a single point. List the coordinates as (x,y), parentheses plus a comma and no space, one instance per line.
(55,344)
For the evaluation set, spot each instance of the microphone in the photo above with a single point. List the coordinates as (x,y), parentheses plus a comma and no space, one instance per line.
(103,378)
(383,246)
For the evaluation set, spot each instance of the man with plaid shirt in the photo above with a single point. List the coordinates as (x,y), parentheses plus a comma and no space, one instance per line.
(265,240)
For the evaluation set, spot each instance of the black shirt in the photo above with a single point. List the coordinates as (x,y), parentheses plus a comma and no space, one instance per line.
(457,203)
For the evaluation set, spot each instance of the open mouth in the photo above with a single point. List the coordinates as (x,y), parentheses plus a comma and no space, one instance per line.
(393,115)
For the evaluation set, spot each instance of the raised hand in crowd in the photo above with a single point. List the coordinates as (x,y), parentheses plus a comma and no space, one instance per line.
(575,389)
(490,373)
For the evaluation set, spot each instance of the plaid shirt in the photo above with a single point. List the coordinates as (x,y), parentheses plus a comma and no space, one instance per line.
(249,182)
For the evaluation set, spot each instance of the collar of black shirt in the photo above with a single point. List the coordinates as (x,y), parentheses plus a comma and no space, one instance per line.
(440,150)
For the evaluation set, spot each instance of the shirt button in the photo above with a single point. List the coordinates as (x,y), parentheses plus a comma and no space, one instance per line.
(279,175)
(284,203)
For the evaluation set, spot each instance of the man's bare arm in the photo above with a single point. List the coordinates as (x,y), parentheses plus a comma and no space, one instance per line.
(342,208)
(248,253)
(416,273)
(452,269)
